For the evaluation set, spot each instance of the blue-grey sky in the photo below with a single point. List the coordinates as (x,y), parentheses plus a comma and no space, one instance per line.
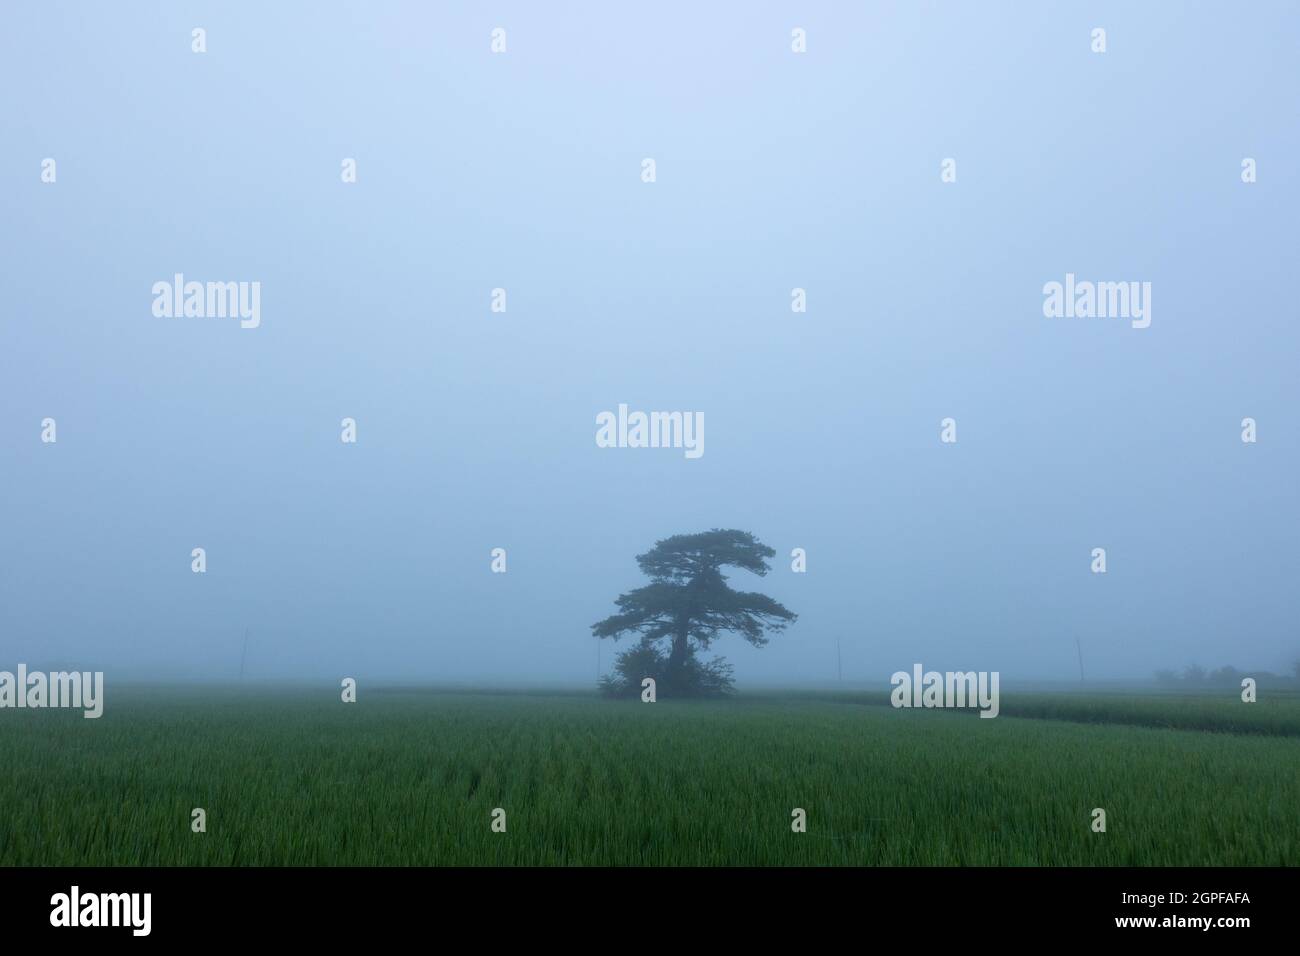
(522,171)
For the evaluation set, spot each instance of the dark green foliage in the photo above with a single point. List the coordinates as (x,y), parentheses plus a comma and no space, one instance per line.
(695,678)
(686,605)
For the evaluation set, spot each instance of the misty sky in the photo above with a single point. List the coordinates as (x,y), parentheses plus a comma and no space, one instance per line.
(476,430)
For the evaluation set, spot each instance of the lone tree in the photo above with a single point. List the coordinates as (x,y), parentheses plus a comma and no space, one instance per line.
(687,604)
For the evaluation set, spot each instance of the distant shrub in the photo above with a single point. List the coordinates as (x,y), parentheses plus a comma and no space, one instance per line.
(1225,675)
(695,678)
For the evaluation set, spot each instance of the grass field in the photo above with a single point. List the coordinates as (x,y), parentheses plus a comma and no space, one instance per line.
(293,776)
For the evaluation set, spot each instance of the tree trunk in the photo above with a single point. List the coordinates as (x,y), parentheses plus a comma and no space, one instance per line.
(677,658)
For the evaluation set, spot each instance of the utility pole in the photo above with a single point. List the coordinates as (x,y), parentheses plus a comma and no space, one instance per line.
(243,656)
(1078,647)
(839,660)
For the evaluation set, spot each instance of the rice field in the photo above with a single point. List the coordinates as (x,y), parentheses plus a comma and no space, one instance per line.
(292,776)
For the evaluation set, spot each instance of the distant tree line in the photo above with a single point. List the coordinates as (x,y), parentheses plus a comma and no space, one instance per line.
(1194,675)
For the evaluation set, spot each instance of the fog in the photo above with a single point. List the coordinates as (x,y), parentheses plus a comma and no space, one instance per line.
(476,429)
